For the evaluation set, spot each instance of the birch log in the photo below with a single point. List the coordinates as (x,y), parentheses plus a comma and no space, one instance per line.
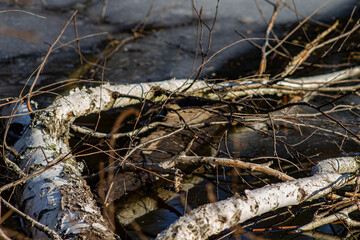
(213,218)
(59,197)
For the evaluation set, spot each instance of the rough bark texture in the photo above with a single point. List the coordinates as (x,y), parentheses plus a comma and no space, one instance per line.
(59,197)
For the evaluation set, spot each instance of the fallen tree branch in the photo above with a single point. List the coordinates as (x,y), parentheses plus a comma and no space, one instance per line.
(342,215)
(214,218)
(59,197)
(215,161)
(144,129)
(306,53)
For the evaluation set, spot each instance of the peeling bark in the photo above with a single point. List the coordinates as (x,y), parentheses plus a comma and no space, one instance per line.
(59,197)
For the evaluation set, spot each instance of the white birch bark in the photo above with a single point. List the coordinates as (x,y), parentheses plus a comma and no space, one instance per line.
(213,218)
(59,197)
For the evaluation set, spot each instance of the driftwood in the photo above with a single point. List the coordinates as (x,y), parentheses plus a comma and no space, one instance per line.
(56,195)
